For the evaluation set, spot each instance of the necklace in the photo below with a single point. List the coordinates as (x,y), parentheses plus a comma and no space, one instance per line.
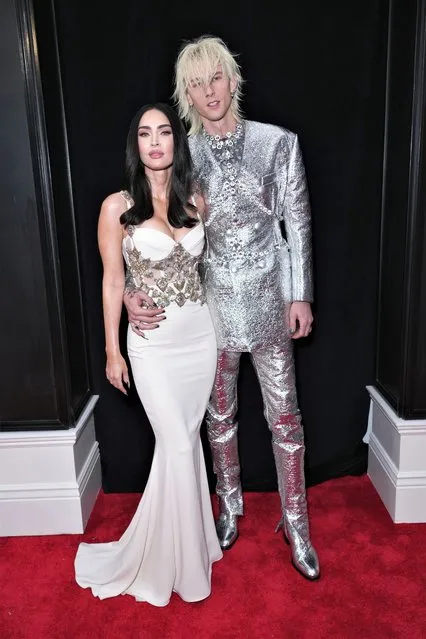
(230,138)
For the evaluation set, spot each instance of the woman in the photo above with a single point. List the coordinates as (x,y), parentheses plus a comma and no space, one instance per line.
(171,541)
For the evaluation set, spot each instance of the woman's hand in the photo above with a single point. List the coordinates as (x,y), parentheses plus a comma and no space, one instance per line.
(117,373)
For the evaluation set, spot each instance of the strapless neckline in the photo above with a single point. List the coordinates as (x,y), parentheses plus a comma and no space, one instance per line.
(147,228)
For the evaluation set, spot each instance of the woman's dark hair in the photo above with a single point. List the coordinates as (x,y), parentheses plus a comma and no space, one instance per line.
(137,183)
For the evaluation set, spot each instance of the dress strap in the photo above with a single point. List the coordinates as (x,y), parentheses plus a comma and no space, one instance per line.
(127,198)
(129,203)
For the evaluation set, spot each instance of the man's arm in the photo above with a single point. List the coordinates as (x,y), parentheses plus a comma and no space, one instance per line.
(140,317)
(129,285)
(297,220)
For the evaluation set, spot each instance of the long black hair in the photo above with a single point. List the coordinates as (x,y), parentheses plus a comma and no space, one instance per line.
(138,185)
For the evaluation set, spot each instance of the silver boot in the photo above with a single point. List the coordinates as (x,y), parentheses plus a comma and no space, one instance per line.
(289,452)
(304,555)
(222,434)
(228,485)
(227,530)
(275,370)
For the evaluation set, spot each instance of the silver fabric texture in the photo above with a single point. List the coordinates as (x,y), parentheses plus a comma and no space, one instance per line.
(227,529)
(251,273)
(274,367)
(275,370)
(222,433)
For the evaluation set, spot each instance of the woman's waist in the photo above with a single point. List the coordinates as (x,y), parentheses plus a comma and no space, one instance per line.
(166,293)
(188,306)
(182,324)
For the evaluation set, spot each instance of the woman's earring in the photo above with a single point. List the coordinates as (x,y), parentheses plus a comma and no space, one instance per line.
(232,94)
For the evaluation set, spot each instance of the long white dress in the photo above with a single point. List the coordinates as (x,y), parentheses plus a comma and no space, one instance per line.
(171,542)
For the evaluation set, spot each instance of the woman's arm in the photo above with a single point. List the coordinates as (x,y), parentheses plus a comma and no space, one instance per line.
(110,235)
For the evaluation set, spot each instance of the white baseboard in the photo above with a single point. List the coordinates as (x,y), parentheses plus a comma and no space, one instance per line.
(397,461)
(49,480)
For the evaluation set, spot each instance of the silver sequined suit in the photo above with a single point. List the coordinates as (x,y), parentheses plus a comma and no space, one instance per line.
(254,185)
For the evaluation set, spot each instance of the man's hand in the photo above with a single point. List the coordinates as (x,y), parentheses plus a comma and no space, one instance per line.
(143,313)
(300,319)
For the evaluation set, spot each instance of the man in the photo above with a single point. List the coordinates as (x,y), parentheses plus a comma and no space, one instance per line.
(258,284)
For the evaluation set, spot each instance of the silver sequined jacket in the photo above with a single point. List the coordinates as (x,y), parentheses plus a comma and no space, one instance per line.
(252,183)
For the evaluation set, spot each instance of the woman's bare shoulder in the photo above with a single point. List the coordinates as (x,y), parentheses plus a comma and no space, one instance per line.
(114,204)
(112,208)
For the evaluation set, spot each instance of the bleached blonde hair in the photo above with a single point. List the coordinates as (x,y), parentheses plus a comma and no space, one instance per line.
(199,59)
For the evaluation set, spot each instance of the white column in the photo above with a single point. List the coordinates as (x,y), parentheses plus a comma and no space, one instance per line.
(49,480)
(397,461)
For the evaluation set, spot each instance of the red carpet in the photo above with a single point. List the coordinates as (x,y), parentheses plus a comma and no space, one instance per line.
(373,579)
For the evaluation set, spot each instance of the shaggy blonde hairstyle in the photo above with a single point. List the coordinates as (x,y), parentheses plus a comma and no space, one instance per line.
(199,59)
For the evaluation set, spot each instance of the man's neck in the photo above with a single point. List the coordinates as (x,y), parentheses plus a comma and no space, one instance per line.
(220,127)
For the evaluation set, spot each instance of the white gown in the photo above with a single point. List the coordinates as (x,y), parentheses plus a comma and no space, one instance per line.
(171,542)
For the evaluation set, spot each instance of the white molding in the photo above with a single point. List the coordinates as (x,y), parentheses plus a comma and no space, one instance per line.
(87,470)
(408,426)
(49,480)
(366,438)
(388,466)
(49,437)
(401,478)
(60,490)
(397,461)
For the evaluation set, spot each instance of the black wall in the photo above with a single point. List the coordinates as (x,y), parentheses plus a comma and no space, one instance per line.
(45,376)
(401,344)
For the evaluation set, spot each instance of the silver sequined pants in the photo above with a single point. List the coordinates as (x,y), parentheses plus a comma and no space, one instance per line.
(275,370)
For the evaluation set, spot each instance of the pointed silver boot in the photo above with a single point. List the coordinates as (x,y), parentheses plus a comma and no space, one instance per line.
(227,530)
(289,453)
(304,556)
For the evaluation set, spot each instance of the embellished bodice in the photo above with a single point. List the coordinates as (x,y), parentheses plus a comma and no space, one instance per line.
(163,268)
